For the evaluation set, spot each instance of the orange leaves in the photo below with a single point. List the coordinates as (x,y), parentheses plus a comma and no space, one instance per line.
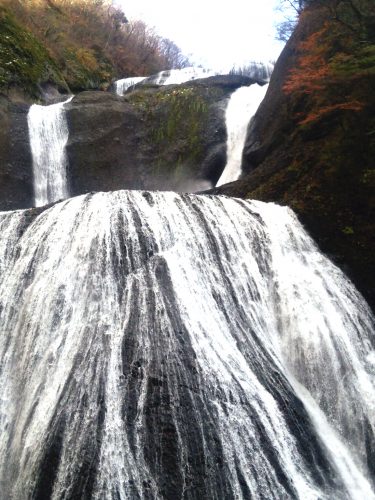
(316,115)
(312,69)
(309,78)
(325,72)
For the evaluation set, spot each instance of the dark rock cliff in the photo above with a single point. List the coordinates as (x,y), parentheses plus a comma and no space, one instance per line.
(323,169)
(15,157)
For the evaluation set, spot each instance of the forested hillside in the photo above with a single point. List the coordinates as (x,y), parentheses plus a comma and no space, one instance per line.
(76,44)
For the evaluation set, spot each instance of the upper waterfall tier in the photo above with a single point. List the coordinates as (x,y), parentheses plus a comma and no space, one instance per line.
(242,106)
(48,132)
(121,86)
(259,71)
(165,346)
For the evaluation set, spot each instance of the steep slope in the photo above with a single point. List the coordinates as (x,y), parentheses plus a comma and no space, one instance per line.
(80,44)
(312,143)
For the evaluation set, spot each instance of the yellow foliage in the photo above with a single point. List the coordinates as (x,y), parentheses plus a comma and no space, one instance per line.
(99,36)
(87,58)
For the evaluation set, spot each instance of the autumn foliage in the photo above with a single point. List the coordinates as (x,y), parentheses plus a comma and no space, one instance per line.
(92,42)
(312,72)
(334,61)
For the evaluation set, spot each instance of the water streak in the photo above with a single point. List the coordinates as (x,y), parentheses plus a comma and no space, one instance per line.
(242,106)
(177,76)
(159,346)
(48,132)
(123,85)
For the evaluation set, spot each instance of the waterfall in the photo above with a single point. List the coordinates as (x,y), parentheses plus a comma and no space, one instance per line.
(48,132)
(260,71)
(242,106)
(177,76)
(167,77)
(165,346)
(123,85)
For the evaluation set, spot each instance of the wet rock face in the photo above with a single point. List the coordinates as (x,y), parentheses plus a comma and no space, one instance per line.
(102,129)
(16,189)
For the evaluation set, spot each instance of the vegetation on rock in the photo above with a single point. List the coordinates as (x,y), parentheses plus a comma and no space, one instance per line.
(24,61)
(178,125)
(80,43)
(336,63)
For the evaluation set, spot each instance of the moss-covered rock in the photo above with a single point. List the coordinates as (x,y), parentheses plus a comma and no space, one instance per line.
(183,123)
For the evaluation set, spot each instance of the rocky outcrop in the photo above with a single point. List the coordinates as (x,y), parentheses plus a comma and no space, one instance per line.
(168,138)
(15,159)
(324,169)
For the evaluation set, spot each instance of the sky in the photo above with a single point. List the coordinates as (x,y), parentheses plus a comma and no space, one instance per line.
(213,33)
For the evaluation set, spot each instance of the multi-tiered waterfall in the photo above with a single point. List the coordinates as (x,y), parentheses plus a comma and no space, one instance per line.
(164,346)
(241,107)
(48,131)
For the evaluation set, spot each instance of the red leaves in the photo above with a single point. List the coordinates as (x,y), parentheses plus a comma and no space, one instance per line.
(312,69)
(319,74)
(313,116)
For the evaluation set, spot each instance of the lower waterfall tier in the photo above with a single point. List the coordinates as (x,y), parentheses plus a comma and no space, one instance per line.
(165,346)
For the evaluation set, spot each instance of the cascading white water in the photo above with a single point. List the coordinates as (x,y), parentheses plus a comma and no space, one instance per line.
(123,85)
(157,345)
(260,71)
(242,106)
(257,70)
(177,76)
(168,77)
(48,132)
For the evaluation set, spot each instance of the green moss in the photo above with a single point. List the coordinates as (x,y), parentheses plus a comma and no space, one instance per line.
(87,69)
(348,230)
(24,61)
(177,121)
